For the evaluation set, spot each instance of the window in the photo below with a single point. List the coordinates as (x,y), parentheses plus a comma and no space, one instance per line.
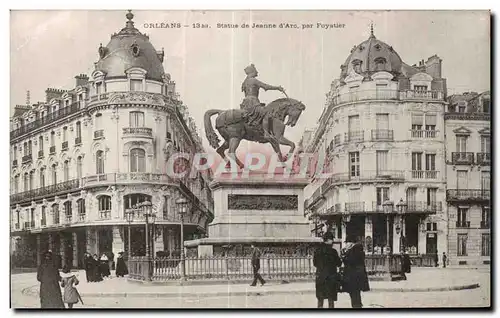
(354,123)
(137,160)
(26,182)
(98,121)
(165,209)
(99,162)
(430,121)
(417,121)
(136,119)
(486,105)
(430,162)
(54,174)
(382,121)
(55,213)
(65,133)
(461,143)
(79,167)
(32,180)
(68,209)
(44,216)
(416,161)
(462,245)
(354,164)
(380,64)
(382,156)
(104,203)
(382,195)
(136,85)
(52,139)
(462,179)
(78,130)
(80,204)
(431,196)
(462,215)
(14,154)
(66,170)
(485,244)
(357,66)
(485,144)
(40,143)
(25,146)
(420,88)
(16,184)
(42,177)
(411,198)
(30,150)
(98,88)
(485,180)
(431,226)
(485,216)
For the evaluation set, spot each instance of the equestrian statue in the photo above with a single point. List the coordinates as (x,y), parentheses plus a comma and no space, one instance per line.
(254,121)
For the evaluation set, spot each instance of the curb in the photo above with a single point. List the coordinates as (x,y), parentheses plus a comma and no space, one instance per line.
(32,291)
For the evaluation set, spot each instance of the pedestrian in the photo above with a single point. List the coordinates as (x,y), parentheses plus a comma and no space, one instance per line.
(256,266)
(105,272)
(121,266)
(326,260)
(355,278)
(406,264)
(445,259)
(49,278)
(69,280)
(87,265)
(111,257)
(436,259)
(96,269)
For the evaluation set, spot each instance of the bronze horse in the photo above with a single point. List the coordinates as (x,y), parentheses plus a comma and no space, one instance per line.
(233,128)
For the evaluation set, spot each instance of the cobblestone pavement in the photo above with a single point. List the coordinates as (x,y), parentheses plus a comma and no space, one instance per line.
(478,297)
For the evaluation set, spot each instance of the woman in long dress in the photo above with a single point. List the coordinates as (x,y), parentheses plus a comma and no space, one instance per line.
(121,266)
(48,276)
(68,281)
(105,272)
(96,265)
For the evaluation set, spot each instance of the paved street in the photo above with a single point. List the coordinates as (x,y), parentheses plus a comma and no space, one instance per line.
(478,297)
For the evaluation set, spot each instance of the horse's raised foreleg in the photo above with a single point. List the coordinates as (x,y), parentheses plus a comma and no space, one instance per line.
(222,150)
(233,145)
(276,146)
(286,142)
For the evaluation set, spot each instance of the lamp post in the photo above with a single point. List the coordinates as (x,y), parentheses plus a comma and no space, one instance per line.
(130,218)
(150,220)
(388,207)
(181,204)
(401,206)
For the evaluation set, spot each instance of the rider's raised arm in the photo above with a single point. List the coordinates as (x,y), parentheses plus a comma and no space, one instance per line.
(265,86)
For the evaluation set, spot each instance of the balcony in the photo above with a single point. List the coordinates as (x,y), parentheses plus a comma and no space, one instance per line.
(485,224)
(336,140)
(81,217)
(40,154)
(64,145)
(99,134)
(354,136)
(68,219)
(105,215)
(54,189)
(424,174)
(52,150)
(462,158)
(334,209)
(467,116)
(463,224)
(14,163)
(355,207)
(27,159)
(468,195)
(138,132)
(131,177)
(382,135)
(49,118)
(78,141)
(483,158)
(424,207)
(385,94)
(377,207)
(421,95)
(364,176)
(417,133)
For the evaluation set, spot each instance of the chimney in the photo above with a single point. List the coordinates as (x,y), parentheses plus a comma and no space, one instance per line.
(81,80)
(433,66)
(51,93)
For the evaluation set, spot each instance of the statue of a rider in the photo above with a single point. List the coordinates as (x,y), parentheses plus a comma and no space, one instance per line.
(251,105)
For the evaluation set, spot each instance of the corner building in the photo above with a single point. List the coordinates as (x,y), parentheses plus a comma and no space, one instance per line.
(382,133)
(85,157)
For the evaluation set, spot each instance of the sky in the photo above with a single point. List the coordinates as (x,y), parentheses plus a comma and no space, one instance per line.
(48,48)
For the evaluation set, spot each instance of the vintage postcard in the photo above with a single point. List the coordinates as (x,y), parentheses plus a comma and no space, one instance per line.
(250,159)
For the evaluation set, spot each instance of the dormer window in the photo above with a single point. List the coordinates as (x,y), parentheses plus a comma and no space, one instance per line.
(380,64)
(356,64)
(462,107)
(486,105)
(98,88)
(421,88)
(136,85)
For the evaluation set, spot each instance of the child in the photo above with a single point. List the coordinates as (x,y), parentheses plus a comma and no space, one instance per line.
(71,295)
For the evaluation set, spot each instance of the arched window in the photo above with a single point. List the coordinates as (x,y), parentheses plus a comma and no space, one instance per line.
(55,213)
(78,133)
(131,200)
(26,182)
(136,119)
(98,121)
(40,146)
(65,133)
(52,138)
(16,184)
(66,170)
(99,160)
(80,203)
(68,211)
(29,148)
(357,64)
(42,177)
(380,64)
(137,160)
(104,207)
(14,155)
(79,167)
(43,220)
(32,180)
(25,146)
(54,173)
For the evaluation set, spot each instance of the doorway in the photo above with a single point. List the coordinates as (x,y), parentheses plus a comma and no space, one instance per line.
(431,243)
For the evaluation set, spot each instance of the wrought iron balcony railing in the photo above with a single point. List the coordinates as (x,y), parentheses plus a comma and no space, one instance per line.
(468,195)
(44,191)
(354,136)
(483,158)
(81,217)
(382,135)
(462,158)
(424,207)
(137,132)
(462,224)
(105,215)
(384,94)
(355,207)
(424,174)
(418,133)
(68,219)
(27,159)
(98,134)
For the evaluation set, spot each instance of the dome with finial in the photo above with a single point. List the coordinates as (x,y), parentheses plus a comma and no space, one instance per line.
(372,56)
(130,48)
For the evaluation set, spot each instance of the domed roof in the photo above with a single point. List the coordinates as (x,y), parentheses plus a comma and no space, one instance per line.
(130,48)
(372,56)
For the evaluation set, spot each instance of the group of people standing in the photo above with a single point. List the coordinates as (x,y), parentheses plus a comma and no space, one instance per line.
(97,269)
(353,278)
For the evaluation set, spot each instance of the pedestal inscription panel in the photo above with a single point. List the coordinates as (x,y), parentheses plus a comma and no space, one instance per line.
(262,202)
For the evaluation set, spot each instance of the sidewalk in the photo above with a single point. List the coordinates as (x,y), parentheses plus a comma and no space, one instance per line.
(419,280)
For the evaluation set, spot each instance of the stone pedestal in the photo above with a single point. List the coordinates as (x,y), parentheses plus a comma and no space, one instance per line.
(257,209)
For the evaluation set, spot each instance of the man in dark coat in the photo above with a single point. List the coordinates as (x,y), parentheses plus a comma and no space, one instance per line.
(121,266)
(87,265)
(49,278)
(355,278)
(445,259)
(256,266)
(326,260)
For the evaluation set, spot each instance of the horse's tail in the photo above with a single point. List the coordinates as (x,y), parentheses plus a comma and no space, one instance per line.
(212,137)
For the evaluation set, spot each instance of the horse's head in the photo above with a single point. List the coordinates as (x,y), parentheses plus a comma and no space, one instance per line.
(294,111)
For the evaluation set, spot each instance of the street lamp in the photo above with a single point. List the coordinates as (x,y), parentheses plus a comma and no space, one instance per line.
(150,220)
(130,218)
(401,206)
(388,207)
(182,204)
